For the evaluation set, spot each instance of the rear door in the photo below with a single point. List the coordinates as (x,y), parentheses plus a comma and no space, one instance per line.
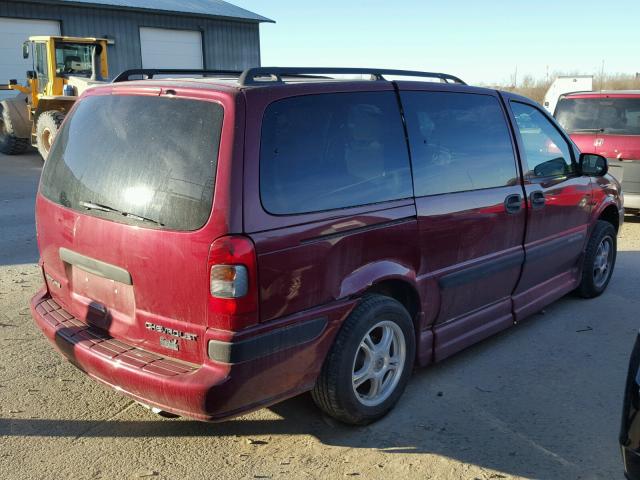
(123,214)
(559,206)
(607,124)
(471,215)
(328,194)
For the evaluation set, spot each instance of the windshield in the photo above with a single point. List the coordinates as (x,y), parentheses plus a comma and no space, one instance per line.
(73,59)
(148,161)
(619,116)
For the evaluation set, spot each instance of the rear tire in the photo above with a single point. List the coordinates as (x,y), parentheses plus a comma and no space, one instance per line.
(599,260)
(369,364)
(10,144)
(47,128)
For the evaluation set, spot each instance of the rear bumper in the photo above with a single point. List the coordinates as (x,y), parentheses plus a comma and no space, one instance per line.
(211,391)
(627,172)
(631,201)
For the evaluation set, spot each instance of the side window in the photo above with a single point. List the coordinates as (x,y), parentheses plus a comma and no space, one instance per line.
(328,151)
(546,152)
(41,66)
(459,142)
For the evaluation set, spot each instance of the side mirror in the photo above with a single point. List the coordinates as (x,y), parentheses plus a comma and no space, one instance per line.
(593,165)
(25,50)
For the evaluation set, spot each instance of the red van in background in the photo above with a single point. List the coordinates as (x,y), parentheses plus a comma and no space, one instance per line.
(215,245)
(607,123)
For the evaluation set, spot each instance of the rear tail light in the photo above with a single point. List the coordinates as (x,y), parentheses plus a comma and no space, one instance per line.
(233,284)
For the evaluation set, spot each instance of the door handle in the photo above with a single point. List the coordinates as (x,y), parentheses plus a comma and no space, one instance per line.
(513,203)
(537,199)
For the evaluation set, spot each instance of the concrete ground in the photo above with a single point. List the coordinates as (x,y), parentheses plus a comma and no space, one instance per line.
(541,400)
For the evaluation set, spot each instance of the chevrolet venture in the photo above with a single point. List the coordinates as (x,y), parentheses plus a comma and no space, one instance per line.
(216,244)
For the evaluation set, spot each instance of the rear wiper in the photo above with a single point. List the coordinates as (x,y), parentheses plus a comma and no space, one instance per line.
(105,208)
(588,130)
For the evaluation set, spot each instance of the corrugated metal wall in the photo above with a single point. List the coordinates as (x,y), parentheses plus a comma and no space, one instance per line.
(228,44)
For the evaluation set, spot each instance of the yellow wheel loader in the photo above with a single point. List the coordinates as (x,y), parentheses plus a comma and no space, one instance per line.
(63,68)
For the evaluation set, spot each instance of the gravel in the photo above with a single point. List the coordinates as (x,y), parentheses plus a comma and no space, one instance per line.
(541,400)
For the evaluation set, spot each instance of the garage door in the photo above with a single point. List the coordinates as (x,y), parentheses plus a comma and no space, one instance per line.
(13,33)
(164,48)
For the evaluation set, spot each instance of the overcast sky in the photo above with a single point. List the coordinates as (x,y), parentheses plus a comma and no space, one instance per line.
(480,41)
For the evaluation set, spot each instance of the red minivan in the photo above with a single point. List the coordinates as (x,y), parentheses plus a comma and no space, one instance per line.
(215,245)
(607,123)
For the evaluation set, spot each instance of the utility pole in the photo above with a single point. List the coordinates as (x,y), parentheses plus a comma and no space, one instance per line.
(602,76)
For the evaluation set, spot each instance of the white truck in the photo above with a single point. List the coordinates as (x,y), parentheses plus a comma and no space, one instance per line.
(566,84)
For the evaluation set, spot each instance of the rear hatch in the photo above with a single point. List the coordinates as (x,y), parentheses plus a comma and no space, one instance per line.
(609,125)
(123,216)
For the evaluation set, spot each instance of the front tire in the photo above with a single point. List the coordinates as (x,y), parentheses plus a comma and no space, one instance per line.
(369,364)
(10,144)
(599,260)
(47,128)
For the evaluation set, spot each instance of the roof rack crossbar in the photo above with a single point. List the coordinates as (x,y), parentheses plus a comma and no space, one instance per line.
(149,73)
(253,76)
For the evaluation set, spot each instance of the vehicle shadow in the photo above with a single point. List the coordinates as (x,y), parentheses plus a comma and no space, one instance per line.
(539,400)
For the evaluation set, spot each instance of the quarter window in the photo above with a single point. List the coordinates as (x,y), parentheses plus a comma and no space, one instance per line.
(546,153)
(459,142)
(328,151)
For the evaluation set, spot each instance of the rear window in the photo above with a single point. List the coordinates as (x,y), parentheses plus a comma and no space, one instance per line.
(141,160)
(328,151)
(617,116)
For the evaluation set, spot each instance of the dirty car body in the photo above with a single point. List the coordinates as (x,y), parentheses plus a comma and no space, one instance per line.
(210,246)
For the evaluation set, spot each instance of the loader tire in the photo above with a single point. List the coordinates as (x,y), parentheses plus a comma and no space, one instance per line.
(10,144)
(46,130)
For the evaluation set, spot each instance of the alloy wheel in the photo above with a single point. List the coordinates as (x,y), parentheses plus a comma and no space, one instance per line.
(379,363)
(602,262)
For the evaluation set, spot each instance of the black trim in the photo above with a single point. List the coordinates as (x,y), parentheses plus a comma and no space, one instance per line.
(482,270)
(268,343)
(487,268)
(96,267)
(539,251)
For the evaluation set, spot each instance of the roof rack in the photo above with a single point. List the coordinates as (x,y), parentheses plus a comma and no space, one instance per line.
(149,73)
(261,75)
(270,75)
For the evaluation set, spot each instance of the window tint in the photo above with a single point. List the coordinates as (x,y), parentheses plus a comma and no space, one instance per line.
(546,153)
(459,142)
(151,158)
(321,152)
